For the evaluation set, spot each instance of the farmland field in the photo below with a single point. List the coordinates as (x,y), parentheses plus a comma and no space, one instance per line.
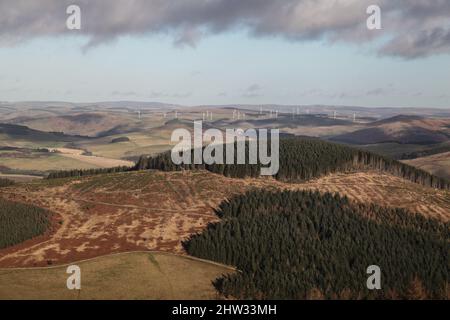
(136,275)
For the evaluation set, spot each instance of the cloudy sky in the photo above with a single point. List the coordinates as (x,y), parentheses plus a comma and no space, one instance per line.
(227,51)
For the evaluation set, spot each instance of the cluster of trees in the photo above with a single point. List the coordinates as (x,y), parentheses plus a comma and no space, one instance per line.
(164,162)
(5,182)
(86,172)
(425,153)
(303,244)
(302,159)
(373,161)
(20,222)
(120,139)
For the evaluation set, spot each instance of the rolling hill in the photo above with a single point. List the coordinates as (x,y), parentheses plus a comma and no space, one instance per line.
(302,159)
(151,210)
(400,129)
(157,211)
(87,123)
(16,135)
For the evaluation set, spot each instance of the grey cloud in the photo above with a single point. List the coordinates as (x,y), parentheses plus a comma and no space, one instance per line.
(414,28)
(254,87)
(253,91)
(378,92)
(421,44)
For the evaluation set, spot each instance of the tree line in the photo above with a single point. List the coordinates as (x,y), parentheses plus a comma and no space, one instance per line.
(87,172)
(303,244)
(302,159)
(424,153)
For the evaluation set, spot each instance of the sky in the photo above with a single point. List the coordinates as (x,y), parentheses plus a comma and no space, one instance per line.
(195,52)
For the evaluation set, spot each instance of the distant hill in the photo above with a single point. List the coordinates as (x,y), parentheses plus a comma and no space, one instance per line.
(399,118)
(12,131)
(400,129)
(287,121)
(87,123)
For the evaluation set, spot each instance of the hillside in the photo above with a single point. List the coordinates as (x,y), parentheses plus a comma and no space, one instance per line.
(324,216)
(22,136)
(437,164)
(153,210)
(400,129)
(87,124)
(302,159)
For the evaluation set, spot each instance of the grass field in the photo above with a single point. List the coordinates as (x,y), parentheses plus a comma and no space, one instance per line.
(135,275)
(93,160)
(6,140)
(151,142)
(46,163)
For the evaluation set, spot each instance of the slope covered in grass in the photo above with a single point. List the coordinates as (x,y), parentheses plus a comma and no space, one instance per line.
(136,275)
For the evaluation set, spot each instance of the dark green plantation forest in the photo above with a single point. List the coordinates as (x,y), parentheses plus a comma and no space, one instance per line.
(297,245)
(302,159)
(20,222)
